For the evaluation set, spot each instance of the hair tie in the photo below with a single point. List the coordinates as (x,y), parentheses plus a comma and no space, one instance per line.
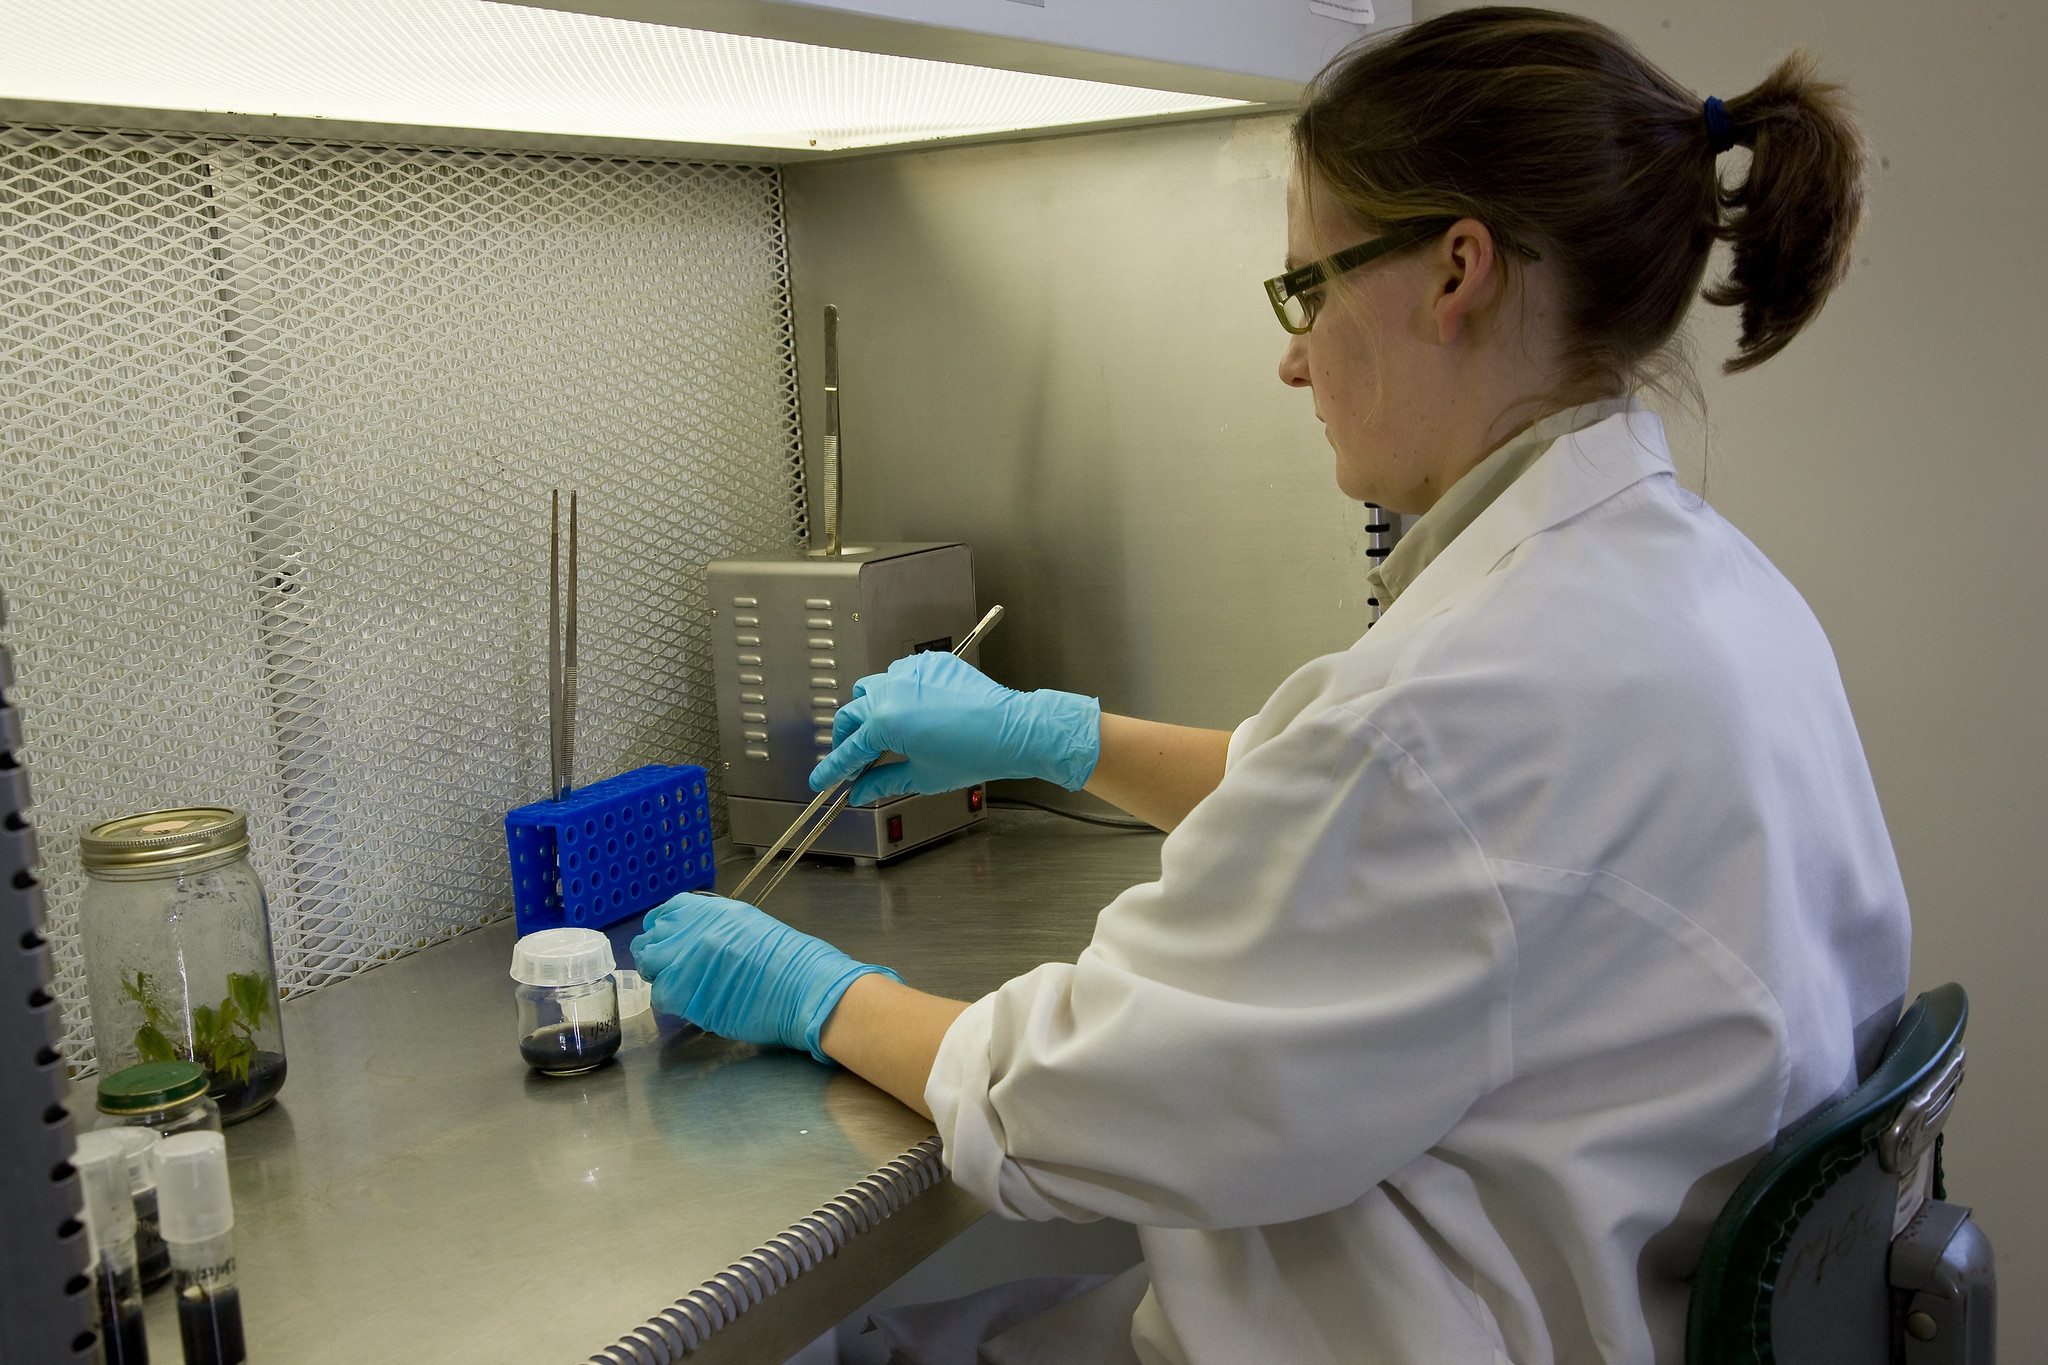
(1720,130)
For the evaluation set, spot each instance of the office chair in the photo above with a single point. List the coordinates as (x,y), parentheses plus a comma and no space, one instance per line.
(1832,1251)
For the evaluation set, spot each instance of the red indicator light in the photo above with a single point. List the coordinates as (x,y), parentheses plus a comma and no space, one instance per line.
(895,829)
(974,798)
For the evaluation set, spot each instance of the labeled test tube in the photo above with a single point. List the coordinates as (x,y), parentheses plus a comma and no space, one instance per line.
(151,1255)
(198,1220)
(102,1165)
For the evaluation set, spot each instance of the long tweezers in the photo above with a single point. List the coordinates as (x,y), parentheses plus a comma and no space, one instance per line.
(561,657)
(838,794)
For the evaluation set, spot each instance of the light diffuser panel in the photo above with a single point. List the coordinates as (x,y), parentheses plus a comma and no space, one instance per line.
(474,64)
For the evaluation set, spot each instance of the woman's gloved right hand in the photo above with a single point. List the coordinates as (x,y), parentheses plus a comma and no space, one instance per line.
(956,727)
(733,970)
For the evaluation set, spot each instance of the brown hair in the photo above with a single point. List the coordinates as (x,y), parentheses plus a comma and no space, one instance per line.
(1555,132)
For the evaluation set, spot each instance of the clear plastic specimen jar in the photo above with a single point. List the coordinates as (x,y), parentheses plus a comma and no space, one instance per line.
(176,932)
(568,1007)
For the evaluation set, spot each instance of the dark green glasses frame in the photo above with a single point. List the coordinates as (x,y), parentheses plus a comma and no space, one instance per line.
(1294,286)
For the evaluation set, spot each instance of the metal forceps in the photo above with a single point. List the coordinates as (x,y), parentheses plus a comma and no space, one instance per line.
(562,664)
(843,791)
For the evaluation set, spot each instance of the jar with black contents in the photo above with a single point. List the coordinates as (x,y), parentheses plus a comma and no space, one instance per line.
(178,963)
(568,1006)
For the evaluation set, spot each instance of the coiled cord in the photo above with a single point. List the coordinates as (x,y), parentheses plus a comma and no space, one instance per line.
(687,1323)
(1382,529)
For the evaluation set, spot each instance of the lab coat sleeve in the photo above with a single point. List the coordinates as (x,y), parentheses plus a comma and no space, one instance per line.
(1311,995)
(1241,740)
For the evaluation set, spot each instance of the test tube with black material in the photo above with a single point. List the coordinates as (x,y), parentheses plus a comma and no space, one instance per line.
(197,1215)
(102,1164)
(151,1255)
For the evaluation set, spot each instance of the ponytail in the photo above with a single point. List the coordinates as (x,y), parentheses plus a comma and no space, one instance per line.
(1792,218)
(1563,139)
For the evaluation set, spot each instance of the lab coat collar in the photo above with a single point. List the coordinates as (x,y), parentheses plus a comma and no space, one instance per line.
(1581,470)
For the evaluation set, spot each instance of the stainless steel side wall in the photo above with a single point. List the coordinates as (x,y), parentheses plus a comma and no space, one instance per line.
(1057,351)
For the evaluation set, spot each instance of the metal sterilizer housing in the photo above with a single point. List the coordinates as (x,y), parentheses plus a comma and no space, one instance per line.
(791,633)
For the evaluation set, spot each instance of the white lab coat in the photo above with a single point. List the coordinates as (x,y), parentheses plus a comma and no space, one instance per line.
(1511,937)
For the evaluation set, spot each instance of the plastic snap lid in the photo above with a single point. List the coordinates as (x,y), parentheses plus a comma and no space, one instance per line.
(562,957)
(151,1085)
(103,1170)
(192,1199)
(138,1145)
(636,993)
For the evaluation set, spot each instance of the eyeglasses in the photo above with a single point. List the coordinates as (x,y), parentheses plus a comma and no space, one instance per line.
(1294,297)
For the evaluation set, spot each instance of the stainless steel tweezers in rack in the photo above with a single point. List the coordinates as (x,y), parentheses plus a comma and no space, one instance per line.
(561,658)
(838,794)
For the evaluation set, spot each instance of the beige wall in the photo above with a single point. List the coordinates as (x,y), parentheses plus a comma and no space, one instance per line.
(1058,352)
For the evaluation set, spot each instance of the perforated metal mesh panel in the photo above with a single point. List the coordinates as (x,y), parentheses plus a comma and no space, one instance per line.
(280,424)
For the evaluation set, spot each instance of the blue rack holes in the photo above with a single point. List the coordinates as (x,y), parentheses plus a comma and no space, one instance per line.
(564,871)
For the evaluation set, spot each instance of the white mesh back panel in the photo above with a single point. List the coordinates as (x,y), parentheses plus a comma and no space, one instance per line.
(280,424)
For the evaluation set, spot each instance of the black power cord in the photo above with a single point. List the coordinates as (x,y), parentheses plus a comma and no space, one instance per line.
(1106,821)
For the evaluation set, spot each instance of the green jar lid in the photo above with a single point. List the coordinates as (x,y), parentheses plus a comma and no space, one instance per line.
(151,1085)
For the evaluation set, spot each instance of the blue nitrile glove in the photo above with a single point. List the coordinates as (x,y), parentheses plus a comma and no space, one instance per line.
(736,972)
(957,727)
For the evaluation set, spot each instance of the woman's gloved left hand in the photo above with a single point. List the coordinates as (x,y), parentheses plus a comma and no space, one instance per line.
(736,972)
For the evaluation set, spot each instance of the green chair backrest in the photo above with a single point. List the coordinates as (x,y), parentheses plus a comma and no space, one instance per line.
(1842,1167)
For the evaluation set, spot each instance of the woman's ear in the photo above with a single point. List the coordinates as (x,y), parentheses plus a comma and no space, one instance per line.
(1467,278)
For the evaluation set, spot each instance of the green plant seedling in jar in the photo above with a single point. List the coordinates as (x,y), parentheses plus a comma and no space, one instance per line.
(176,932)
(222,1038)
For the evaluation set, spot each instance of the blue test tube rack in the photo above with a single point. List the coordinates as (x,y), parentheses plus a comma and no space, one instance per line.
(612,849)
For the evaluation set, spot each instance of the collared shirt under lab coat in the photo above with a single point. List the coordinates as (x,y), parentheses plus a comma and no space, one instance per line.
(1464,500)
(1511,937)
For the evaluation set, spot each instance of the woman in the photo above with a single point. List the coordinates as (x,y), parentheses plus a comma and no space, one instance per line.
(1486,958)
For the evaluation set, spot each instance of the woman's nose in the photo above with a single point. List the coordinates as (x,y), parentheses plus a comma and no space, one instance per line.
(1294,362)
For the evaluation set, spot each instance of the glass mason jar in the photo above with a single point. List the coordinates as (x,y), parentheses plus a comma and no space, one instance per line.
(178,965)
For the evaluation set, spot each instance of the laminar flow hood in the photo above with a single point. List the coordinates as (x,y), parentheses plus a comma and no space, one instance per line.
(769,79)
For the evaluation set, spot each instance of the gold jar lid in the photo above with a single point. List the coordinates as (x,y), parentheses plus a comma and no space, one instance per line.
(164,843)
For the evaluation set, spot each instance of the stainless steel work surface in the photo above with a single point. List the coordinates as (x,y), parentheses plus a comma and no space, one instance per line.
(418,1194)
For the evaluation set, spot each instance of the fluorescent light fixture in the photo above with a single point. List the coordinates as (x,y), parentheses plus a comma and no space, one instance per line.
(474,64)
